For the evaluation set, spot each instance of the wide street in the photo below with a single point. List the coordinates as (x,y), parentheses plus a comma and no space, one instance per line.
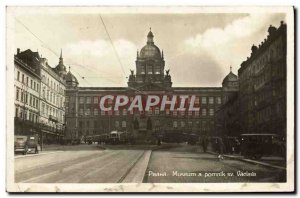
(168,163)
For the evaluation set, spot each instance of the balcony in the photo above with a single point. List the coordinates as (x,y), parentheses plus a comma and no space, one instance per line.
(53,118)
(51,129)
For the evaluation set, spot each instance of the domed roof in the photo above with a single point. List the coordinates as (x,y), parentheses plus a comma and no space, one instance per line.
(70,78)
(150,50)
(230,77)
(61,68)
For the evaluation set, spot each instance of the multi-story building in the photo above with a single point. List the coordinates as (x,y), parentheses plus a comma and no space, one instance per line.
(52,112)
(227,116)
(84,117)
(262,80)
(27,92)
(40,96)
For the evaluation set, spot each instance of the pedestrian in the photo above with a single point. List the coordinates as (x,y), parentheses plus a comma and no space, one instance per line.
(204,144)
(221,149)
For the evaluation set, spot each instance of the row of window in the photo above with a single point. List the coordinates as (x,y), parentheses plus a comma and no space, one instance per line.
(49,110)
(204,124)
(52,84)
(19,113)
(53,98)
(88,112)
(87,100)
(123,124)
(95,100)
(96,124)
(272,54)
(150,69)
(27,98)
(261,80)
(264,115)
(26,80)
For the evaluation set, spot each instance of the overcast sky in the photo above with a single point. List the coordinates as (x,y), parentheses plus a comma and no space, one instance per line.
(198,48)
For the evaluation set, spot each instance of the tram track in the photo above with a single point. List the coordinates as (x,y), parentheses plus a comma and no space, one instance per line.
(110,166)
(131,167)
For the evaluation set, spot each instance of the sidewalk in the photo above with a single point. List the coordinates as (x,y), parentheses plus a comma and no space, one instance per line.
(152,147)
(58,147)
(268,161)
(53,148)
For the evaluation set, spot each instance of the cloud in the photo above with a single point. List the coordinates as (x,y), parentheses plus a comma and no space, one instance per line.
(231,45)
(97,61)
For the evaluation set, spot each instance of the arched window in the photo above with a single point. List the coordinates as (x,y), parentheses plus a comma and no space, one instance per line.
(157,70)
(123,124)
(175,124)
(117,124)
(149,69)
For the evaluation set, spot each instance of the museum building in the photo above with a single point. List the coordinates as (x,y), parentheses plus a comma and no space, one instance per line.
(84,118)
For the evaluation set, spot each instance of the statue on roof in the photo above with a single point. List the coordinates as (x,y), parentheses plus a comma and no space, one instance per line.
(132,72)
(167,72)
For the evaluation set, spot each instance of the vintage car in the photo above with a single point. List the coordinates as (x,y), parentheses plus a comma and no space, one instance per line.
(257,145)
(75,141)
(26,144)
(102,138)
(192,138)
(20,144)
(120,137)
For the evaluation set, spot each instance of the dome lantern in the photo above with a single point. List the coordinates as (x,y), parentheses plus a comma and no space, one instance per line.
(61,68)
(150,37)
(150,51)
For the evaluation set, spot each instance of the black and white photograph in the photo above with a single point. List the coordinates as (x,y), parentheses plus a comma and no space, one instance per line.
(150,99)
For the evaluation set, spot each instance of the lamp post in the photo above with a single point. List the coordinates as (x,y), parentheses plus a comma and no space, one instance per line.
(23,97)
(42,138)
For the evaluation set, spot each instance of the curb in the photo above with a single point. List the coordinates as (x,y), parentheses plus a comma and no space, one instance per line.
(34,155)
(250,161)
(137,172)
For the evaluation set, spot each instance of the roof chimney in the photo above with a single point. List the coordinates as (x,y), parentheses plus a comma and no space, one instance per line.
(253,49)
(18,50)
(271,30)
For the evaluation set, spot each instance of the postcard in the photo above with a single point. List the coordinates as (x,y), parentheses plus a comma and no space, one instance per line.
(150,99)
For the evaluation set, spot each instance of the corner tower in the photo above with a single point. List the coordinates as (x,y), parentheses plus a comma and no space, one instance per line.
(230,82)
(61,68)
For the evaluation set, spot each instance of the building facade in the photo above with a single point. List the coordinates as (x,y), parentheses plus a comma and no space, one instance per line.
(27,85)
(227,116)
(84,117)
(52,110)
(39,97)
(262,91)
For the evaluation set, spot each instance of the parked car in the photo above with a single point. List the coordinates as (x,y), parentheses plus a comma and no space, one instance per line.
(102,138)
(192,139)
(75,141)
(33,144)
(20,144)
(258,145)
(26,144)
